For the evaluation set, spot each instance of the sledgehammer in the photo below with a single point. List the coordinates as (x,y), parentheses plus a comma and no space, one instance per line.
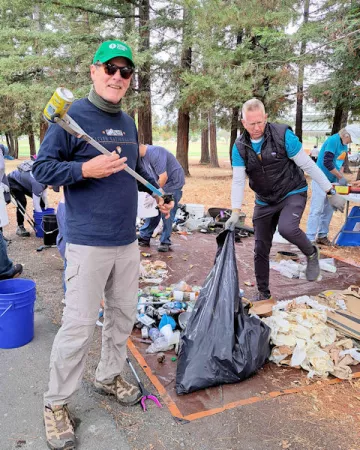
(56,112)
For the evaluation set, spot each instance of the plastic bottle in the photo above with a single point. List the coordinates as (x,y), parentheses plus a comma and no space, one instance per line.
(174,305)
(154,333)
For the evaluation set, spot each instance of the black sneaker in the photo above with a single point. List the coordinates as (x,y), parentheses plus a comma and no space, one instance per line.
(17,271)
(261,296)
(143,242)
(163,248)
(21,231)
(313,266)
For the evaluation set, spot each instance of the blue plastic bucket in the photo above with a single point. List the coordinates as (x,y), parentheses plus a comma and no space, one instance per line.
(38,218)
(17,298)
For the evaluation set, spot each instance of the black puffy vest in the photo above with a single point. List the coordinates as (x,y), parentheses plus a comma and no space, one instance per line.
(273,175)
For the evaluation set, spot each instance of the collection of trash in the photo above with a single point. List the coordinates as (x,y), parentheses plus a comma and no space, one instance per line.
(289,267)
(154,272)
(302,338)
(311,333)
(162,312)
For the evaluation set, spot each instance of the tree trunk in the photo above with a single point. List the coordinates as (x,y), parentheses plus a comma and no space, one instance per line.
(337,120)
(234,128)
(144,111)
(344,117)
(346,165)
(12,144)
(182,146)
(183,124)
(205,156)
(214,162)
(43,128)
(32,143)
(300,83)
(129,28)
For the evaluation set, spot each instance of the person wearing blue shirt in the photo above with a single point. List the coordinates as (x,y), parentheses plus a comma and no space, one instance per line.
(331,159)
(274,160)
(166,169)
(102,252)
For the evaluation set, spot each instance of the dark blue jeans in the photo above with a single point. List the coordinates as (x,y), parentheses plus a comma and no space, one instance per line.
(150,224)
(6,266)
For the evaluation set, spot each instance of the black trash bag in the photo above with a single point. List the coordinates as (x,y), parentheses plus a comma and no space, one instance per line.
(221,343)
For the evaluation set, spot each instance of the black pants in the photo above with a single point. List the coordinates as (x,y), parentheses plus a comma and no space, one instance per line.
(19,194)
(286,215)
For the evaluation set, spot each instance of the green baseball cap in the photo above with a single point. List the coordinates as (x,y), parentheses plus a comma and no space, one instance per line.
(113,49)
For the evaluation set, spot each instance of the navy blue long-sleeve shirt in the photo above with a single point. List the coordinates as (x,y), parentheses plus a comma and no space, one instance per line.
(99,212)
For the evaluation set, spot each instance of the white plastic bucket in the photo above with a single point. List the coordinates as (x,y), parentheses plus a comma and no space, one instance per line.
(196,211)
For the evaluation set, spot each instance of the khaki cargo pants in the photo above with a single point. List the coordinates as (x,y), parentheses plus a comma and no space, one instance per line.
(92,272)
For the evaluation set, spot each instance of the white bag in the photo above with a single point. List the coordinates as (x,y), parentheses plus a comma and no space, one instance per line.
(4,219)
(144,212)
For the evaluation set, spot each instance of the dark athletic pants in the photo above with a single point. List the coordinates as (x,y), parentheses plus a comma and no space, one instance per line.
(19,193)
(286,215)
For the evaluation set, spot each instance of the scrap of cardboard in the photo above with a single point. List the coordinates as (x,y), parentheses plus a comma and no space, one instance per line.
(263,308)
(348,321)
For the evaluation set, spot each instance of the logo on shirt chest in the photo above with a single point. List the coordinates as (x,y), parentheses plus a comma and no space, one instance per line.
(111,132)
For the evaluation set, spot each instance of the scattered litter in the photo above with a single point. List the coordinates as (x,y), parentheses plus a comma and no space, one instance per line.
(303,339)
(146,320)
(159,310)
(288,267)
(196,224)
(145,332)
(159,345)
(153,271)
(303,300)
(341,304)
(161,357)
(282,255)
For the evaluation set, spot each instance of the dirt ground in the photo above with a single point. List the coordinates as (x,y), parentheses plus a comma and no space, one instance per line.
(327,417)
(212,187)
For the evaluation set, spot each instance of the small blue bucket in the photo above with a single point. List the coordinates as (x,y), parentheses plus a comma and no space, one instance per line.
(38,218)
(17,298)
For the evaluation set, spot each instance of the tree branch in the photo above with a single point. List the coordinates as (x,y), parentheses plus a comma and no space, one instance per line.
(92,10)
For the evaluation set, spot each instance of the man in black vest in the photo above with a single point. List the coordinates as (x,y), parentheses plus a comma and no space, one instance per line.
(274,160)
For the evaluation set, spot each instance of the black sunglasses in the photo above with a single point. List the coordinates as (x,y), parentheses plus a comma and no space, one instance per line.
(125,72)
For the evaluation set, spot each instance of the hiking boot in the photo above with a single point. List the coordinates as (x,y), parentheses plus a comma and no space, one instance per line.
(261,296)
(143,242)
(17,271)
(21,231)
(164,248)
(323,241)
(59,428)
(313,266)
(126,393)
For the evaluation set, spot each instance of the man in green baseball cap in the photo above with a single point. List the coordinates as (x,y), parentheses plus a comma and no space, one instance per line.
(104,260)
(113,49)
